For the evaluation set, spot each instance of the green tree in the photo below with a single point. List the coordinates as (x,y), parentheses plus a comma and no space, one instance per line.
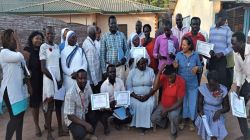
(158,3)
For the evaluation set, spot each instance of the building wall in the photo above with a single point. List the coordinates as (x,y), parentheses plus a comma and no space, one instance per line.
(130,20)
(205,9)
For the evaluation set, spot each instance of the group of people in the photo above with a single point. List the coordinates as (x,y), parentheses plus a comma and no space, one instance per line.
(164,84)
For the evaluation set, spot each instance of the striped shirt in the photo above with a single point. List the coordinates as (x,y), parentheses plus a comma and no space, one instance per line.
(109,48)
(221,38)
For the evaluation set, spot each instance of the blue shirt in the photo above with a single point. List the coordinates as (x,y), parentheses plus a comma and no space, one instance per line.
(61,46)
(221,38)
(186,64)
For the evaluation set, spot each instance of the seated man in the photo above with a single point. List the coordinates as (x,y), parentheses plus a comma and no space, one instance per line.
(78,116)
(110,85)
(172,96)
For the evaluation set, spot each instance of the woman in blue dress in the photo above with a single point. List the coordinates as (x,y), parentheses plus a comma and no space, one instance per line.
(188,63)
(213,102)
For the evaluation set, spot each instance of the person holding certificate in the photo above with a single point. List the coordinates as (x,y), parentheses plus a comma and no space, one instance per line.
(80,120)
(110,85)
(242,75)
(213,102)
(52,79)
(188,63)
(139,83)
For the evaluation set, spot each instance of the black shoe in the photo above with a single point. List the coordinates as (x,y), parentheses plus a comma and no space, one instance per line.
(174,136)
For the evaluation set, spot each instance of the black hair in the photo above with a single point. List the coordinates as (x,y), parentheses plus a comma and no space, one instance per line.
(110,66)
(81,71)
(98,29)
(189,42)
(196,18)
(6,38)
(112,17)
(32,35)
(240,37)
(179,14)
(212,75)
(147,25)
(138,21)
(49,28)
(222,14)
(169,69)
(168,23)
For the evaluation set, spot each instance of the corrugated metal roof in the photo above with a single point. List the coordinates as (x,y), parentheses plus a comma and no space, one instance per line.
(83,6)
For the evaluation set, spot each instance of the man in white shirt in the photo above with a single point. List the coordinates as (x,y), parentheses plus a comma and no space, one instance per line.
(110,85)
(92,55)
(98,39)
(80,120)
(242,75)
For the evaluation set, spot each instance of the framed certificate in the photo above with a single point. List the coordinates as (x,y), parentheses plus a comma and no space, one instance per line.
(204,48)
(100,100)
(122,98)
(139,51)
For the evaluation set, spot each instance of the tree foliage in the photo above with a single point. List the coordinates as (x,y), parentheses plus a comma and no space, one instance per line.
(158,3)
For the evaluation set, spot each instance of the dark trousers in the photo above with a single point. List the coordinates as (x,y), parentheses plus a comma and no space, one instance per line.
(230,75)
(96,89)
(245,92)
(15,123)
(78,131)
(219,65)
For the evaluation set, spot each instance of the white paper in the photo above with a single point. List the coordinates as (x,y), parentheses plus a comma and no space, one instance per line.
(122,98)
(139,51)
(204,48)
(99,101)
(60,94)
(206,125)
(238,106)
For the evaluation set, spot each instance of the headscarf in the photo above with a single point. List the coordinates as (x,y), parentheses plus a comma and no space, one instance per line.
(69,34)
(132,38)
(137,59)
(62,32)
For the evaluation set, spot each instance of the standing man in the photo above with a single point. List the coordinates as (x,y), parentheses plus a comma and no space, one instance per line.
(179,30)
(114,49)
(242,75)
(166,45)
(80,121)
(94,66)
(138,29)
(220,36)
(195,35)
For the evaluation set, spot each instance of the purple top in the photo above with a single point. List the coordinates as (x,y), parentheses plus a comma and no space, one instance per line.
(161,47)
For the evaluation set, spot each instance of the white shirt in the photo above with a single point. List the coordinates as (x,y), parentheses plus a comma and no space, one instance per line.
(78,62)
(92,56)
(242,68)
(108,87)
(98,46)
(13,75)
(179,33)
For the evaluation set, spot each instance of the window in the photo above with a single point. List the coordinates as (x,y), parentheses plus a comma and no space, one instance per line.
(123,28)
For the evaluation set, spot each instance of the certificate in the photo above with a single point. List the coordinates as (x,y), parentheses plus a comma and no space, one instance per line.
(122,98)
(60,94)
(139,51)
(99,101)
(204,48)
(238,106)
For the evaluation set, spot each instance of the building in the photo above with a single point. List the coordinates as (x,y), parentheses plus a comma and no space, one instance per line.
(238,11)
(88,12)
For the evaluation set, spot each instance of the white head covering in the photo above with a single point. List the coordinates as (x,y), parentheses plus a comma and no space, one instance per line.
(69,34)
(62,32)
(132,37)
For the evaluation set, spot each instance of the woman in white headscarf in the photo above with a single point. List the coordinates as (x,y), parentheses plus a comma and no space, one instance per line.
(64,32)
(134,52)
(72,59)
(139,83)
